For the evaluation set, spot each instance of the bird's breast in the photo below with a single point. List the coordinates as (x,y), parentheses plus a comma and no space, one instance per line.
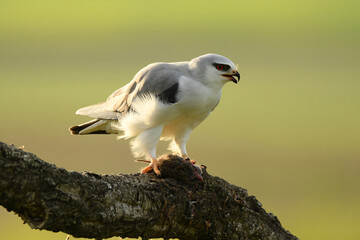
(195,102)
(196,97)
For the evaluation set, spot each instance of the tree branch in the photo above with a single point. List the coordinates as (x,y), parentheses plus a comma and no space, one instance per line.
(89,205)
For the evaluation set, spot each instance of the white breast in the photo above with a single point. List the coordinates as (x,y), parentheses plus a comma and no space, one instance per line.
(196,101)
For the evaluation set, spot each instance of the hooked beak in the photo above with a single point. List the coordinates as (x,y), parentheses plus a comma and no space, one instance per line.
(235,77)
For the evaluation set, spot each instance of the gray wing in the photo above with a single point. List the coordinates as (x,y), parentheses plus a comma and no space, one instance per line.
(160,79)
(98,111)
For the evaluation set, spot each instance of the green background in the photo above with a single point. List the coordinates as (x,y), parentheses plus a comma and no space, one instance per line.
(288,132)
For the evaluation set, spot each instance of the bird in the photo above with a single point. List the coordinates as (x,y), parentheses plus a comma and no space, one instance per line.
(163,101)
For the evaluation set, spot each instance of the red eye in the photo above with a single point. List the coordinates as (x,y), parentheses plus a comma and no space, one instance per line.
(220,67)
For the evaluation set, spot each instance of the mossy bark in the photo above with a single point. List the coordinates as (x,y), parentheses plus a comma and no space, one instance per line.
(176,205)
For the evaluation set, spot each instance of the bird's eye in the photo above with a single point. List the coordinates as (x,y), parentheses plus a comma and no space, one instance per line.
(221,67)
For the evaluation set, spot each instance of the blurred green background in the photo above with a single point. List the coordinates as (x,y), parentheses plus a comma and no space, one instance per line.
(289,132)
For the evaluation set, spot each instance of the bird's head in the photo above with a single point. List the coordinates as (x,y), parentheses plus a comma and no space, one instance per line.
(215,69)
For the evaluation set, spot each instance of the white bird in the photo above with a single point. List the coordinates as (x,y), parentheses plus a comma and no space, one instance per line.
(164,101)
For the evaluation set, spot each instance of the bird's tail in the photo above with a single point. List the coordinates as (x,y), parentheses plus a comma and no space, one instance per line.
(96,126)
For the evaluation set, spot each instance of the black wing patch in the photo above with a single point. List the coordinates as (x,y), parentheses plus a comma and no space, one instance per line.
(169,95)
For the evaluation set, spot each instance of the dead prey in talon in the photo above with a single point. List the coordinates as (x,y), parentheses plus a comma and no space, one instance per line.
(164,101)
(167,165)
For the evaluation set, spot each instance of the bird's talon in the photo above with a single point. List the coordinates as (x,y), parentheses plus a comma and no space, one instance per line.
(157,171)
(152,166)
(147,169)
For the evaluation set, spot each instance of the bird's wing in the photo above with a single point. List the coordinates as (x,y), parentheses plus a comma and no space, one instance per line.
(160,80)
(98,111)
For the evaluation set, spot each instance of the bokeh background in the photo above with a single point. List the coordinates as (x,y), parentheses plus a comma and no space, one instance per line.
(288,132)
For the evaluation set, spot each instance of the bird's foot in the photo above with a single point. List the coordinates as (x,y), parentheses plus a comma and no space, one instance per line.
(153,165)
(187,158)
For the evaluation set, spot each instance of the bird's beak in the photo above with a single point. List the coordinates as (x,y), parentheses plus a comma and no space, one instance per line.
(235,77)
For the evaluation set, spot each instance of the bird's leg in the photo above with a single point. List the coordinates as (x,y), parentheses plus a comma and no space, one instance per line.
(153,165)
(156,167)
(179,144)
(145,144)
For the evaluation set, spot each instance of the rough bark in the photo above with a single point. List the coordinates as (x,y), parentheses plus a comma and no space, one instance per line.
(137,205)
